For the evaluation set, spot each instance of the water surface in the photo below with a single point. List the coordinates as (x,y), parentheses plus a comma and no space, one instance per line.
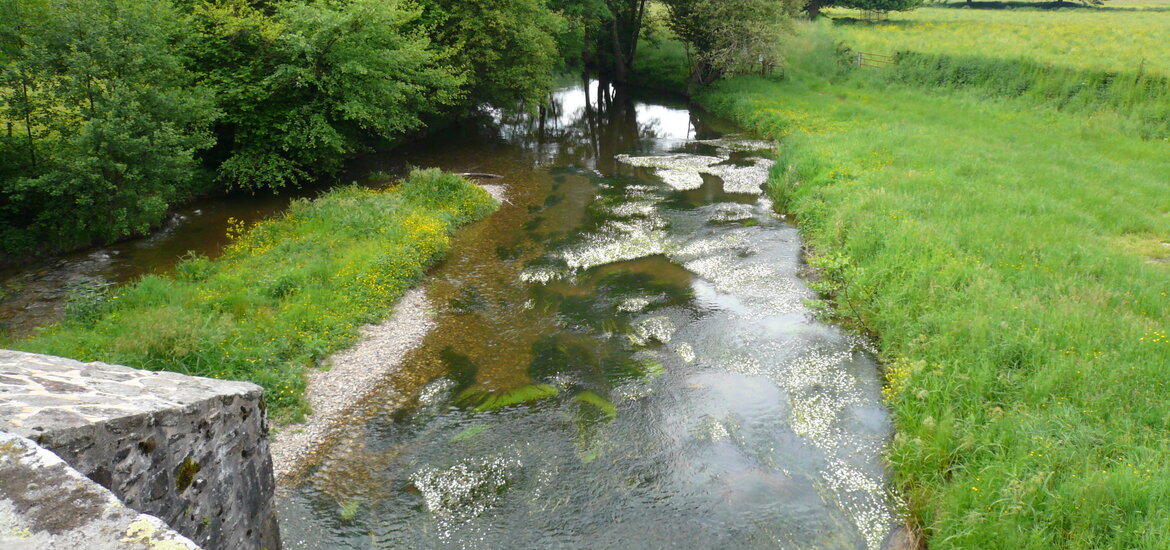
(623,358)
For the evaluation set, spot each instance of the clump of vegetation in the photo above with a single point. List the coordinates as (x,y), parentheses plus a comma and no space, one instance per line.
(99,121)
(285,294)
(301,85)
(114,111)
(990,246)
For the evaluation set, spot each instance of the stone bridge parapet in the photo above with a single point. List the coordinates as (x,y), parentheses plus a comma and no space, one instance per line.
(191,451)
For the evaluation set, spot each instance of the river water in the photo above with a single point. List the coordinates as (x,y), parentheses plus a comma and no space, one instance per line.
(623,358)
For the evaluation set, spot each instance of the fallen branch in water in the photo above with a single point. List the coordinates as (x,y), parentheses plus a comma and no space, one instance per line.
(478,175)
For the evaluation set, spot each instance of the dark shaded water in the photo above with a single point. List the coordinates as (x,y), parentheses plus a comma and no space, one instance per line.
(622,359)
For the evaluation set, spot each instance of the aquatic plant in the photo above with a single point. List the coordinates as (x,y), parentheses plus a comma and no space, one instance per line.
(483,400)
(607,409)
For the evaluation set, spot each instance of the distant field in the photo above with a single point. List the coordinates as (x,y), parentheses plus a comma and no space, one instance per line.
(1117,36)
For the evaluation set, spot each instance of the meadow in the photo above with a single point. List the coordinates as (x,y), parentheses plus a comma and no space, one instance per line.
(1123,36)
(1011,259)
(285,294)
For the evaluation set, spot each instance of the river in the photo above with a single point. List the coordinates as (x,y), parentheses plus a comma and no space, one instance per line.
(623,355)
(623,358)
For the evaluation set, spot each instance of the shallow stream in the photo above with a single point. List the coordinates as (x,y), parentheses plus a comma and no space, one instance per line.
(623,358)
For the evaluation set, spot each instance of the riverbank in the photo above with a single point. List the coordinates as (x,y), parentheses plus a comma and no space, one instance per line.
(1012,260)
(347,378)
(350,376)
(288,292)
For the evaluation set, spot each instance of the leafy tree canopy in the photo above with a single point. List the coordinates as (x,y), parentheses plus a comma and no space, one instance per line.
(304,87)
(101,120)
(727,37)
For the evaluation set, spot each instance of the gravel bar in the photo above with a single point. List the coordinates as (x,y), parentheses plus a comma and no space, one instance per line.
(349,376)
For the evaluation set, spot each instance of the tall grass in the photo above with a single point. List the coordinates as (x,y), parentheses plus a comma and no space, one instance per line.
(285,294)
(1107,63)
(1012,262)
(1140,101)
(661,65)
(1121,37)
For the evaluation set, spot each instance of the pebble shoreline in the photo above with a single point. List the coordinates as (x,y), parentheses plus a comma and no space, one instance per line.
(350,376)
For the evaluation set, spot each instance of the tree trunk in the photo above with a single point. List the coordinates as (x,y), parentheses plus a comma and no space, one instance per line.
(814,8)
(619,59)
(698,79)
(635,34)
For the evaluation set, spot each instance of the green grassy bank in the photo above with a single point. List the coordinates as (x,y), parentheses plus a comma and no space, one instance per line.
(285,294)
(1012,261)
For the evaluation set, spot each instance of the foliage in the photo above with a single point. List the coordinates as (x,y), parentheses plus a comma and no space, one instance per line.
(728,37)
(1002,254)
(507,48)
(307,86)
(604,35)
(86,300)
(101,121)
(814,7)
(287,293)
(108,107)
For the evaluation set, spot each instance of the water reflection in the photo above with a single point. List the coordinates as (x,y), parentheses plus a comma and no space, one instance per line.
(618,362)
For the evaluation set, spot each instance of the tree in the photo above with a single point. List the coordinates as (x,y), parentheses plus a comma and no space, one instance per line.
(814,7)
(101,121)
(603,34)
(583,18)
(506,49)
(625,25)
(723,37)
(312,83)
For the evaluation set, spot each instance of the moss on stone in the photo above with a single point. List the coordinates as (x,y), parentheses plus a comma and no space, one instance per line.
(186,474)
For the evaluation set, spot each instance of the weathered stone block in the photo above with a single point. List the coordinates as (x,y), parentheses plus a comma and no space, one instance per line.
(45,504)
(192,451)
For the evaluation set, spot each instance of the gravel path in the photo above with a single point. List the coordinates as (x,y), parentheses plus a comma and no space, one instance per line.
(349,377)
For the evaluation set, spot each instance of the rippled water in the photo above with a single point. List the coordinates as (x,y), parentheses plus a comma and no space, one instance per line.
(623,359)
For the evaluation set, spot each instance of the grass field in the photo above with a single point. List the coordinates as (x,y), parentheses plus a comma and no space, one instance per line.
(1012,261)
(1122,36)
(1100,63)
(287,293)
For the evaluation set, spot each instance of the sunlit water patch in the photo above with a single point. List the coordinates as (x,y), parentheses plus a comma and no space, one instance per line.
(626,360)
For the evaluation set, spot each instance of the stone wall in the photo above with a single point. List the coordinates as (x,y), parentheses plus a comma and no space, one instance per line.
(46,504)
(191,451)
